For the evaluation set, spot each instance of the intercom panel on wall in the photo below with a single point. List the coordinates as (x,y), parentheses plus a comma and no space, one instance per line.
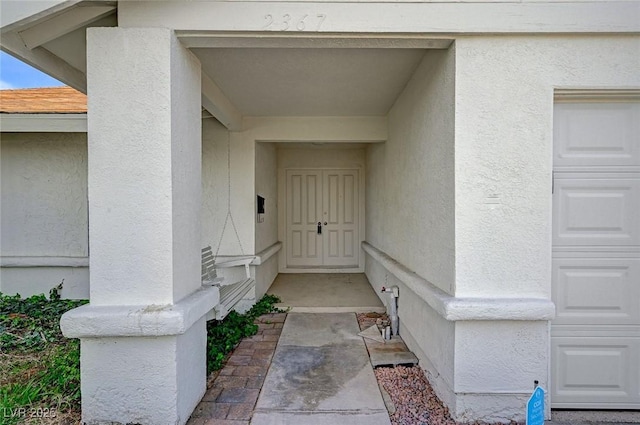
(260,209)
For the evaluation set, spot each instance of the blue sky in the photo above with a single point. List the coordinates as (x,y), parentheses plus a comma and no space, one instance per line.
(15,74)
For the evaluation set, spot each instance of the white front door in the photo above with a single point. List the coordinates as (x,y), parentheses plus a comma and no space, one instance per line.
(322,229)
(595,338)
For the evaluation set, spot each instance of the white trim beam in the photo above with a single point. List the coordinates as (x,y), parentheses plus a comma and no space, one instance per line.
(28,262)
(478,17)
(90,321)
(218,105)
(60,25)
(15,14)
(200,39)
(45,123)
(345,129)
(453,308)
(266,253)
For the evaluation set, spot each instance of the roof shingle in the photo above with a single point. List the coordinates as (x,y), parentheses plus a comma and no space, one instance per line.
(49,100)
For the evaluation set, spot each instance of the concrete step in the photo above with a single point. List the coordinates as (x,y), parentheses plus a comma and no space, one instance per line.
(390,353)
(328,309)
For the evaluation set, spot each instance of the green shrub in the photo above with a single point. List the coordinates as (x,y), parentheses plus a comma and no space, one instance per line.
(224,335)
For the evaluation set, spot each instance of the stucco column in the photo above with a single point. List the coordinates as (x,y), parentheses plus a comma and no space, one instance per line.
(502,221)
(143,333)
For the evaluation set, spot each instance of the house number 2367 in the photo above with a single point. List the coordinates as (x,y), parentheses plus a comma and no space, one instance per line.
(290,23)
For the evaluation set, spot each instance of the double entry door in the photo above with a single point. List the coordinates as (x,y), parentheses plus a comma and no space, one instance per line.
(322,212)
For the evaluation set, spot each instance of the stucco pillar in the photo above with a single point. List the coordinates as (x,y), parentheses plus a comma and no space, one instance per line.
(143,333)
(502,222)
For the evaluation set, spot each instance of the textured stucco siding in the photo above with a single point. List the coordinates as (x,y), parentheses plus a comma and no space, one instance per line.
(410,203)
(425,332)
(266,185)
(478,213)
(504,138)
(265,275)
(266,233)
(43,213)
(44,194)
(144,166)
(216,140)
(410,189)
(214,181)
(164,367)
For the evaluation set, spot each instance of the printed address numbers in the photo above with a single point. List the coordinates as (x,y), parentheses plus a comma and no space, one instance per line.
(287,22)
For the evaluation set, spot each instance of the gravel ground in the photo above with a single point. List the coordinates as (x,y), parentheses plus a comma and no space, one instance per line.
(414,400)
(413,397)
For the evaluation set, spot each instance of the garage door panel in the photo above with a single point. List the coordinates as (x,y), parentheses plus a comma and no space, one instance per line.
(596,371)
(597,134)
(596,291)
(597,212)
(595,337)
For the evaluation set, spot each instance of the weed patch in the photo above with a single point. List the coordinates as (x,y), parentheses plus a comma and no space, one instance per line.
(41,368)
(40,380)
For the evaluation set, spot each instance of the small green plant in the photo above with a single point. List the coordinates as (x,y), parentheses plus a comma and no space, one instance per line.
(41,367)
(224,335)
(265,305)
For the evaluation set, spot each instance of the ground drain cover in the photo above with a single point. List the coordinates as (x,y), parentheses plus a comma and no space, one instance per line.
(406,358)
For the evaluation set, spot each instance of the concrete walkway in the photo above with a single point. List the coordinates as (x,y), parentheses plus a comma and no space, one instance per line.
(318,362)
(326,293)
(320,374)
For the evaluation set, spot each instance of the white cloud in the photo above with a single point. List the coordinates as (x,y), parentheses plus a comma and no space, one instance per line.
(4,85)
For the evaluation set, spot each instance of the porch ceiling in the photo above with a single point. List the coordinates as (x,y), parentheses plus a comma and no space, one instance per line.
(274,75)
(310,82)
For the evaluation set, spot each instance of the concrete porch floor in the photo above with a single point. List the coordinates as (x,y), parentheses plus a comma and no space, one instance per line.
(326,293)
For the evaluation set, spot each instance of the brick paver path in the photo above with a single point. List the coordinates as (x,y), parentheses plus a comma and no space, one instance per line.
(233,395)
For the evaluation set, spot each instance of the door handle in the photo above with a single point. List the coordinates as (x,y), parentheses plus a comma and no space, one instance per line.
(319,228)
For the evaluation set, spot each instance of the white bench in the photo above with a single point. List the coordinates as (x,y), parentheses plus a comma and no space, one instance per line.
(230,292)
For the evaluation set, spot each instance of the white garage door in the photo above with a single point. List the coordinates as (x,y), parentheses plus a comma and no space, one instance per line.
(595,338)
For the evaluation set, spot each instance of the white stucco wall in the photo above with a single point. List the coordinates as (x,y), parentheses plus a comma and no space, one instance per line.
(496,364)
(504,112)
(214,178)
(166,367)
(410,203)
(44,194)
(144,177)
(43,213)
(186,166)
(411,191)
(332,155)
(144,167)
(426,333)
(324,156)
(215,185)
(504,138)
(498,235)
(267,187)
